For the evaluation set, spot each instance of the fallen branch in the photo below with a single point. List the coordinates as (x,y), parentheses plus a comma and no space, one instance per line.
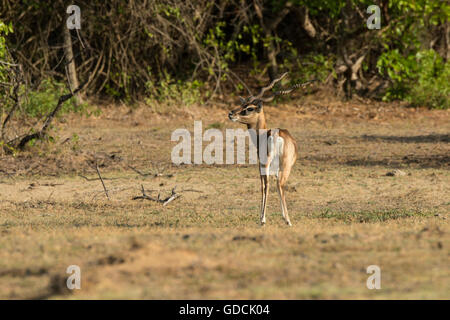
(139,172)
(164,202)
(157,174)
(95,179)
(191,190)
(7,173)
(101,179)
(113,190)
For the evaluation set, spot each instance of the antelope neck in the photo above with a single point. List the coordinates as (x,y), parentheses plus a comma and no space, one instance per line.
(260,123)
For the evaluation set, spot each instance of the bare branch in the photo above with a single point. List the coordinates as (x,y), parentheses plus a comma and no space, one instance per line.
(164,201)
(101,179)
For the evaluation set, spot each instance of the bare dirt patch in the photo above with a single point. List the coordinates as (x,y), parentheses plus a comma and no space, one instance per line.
(348,213)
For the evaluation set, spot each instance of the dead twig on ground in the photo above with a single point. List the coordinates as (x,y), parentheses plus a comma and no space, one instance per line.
(140,172)
(101,179)
(110,191)
(164,201)
(191,190)
(7,174)
(95,179)
(158,173)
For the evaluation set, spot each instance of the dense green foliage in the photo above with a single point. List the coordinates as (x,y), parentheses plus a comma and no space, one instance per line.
(184,52)
(5,29)
(421,79)
(41,101)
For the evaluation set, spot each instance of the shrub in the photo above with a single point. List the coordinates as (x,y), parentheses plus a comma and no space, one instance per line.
(313,66)
(39,102)
(433,82)
(170,91)
(421,78)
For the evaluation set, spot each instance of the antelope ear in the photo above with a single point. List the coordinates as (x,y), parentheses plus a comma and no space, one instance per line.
(241,99)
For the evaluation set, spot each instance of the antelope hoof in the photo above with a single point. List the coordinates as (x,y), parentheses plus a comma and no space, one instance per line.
(289,223)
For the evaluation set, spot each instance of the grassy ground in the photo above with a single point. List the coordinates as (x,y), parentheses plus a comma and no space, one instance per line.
(347,213)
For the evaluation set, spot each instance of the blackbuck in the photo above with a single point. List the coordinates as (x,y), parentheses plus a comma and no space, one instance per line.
(279,144)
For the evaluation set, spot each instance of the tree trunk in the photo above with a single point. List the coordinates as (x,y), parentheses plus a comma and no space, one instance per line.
(272,57)
(303,15)
(70,63)
(269,29)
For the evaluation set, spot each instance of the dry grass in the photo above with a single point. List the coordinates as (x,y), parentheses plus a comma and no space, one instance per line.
(347,213)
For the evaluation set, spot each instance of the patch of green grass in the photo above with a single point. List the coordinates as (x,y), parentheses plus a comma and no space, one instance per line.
(372,216)
(215,125)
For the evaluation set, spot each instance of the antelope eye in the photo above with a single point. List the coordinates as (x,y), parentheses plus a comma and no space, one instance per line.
(250,109)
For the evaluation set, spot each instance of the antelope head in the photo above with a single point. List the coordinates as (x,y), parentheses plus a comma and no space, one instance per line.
(251,108)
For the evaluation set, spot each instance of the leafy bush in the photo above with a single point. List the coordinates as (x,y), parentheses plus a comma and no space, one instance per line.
(314,66)
(433,83)
(41,101)
(170,91)
(421,79)
(400,70)
(5,29)
(5,90)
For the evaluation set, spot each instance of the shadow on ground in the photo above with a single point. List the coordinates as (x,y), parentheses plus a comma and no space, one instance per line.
(431,138)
